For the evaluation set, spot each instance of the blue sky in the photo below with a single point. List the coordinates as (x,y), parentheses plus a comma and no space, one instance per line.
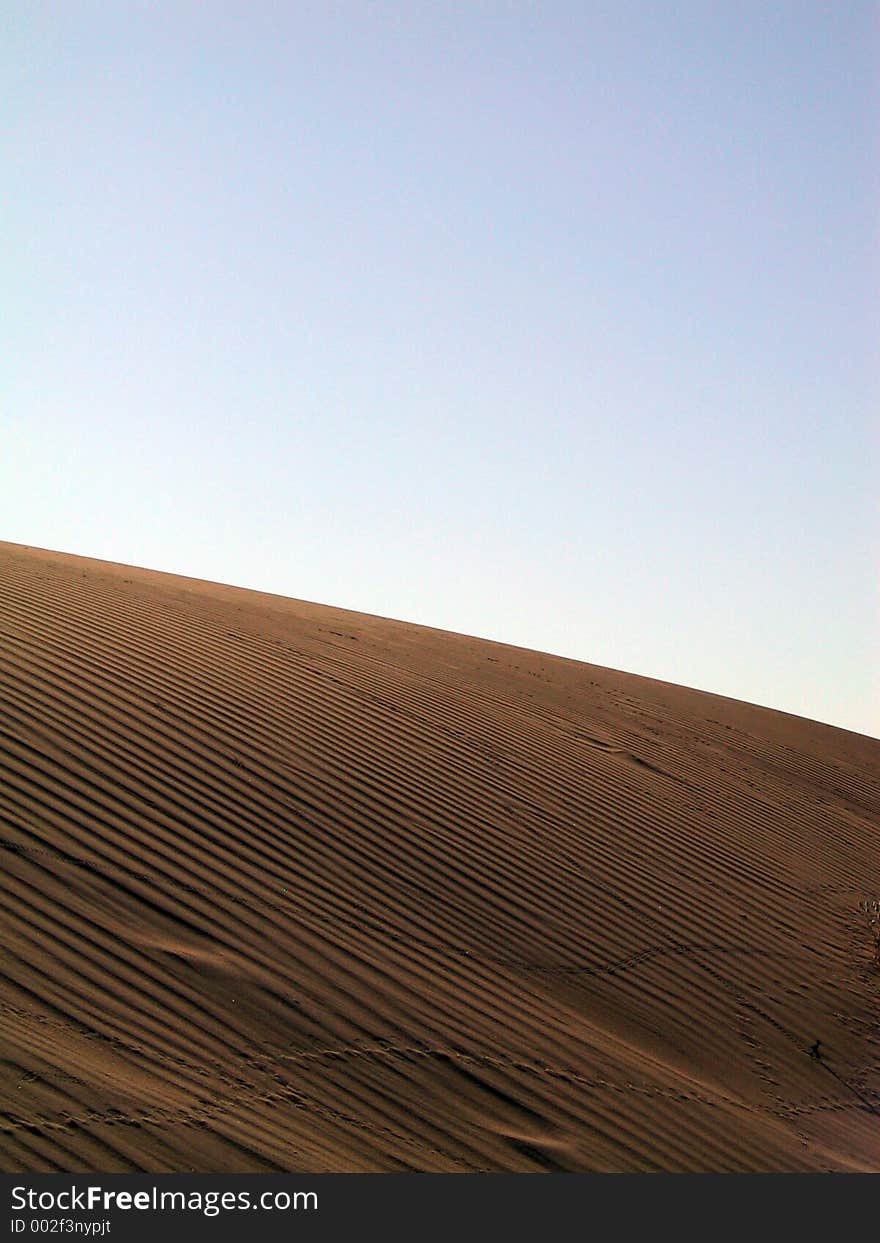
(553,323)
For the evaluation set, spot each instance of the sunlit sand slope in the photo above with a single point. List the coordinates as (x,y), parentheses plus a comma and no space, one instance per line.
(293,888)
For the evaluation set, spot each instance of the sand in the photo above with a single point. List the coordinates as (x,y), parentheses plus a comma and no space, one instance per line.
(294,888)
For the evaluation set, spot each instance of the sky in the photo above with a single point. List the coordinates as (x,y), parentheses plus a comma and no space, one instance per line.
(553,323)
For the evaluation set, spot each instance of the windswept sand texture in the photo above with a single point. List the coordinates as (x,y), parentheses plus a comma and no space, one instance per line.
(293,888)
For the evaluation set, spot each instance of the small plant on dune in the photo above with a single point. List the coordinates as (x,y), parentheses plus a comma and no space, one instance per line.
(870,908)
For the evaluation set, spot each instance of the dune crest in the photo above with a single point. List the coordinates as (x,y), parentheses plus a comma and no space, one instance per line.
(294,888)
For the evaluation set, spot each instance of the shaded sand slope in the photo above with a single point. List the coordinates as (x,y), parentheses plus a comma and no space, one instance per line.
(289,887)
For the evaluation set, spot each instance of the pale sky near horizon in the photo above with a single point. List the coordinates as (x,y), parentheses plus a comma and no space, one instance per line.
(552,323)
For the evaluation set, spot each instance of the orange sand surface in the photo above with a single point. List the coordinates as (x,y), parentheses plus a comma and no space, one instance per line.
(288,887)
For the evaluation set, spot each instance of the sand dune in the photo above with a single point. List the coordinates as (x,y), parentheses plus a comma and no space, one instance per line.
(294,888)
